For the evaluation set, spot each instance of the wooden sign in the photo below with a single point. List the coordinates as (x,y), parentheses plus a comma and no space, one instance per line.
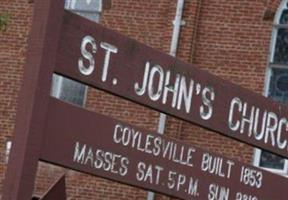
(55,132)
(101,146)
(124,67)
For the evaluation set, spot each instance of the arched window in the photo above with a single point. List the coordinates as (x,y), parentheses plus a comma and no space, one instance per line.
(276,85)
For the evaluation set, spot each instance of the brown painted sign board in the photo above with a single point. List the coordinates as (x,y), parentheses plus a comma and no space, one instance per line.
(101,146)
(67,44)
(124,67)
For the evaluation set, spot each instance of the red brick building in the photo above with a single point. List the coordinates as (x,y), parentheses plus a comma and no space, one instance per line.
(244,42)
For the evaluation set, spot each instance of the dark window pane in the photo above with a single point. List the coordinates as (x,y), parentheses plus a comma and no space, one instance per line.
(269,160)
(68,90)
(284,17)
(93,16)
(88,5)
(72,92)
(278,89)
(55,85)
(67,3)
(90,9)
(281,48)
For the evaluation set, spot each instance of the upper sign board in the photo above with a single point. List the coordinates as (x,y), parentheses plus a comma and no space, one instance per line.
(109,61)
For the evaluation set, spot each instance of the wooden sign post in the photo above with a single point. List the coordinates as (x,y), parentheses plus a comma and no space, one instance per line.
(33,99)
(62,134)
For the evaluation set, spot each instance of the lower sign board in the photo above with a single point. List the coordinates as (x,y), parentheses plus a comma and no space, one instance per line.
(91,143)
(119,65)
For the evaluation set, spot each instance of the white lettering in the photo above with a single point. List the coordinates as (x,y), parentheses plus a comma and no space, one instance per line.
(87,55)
(169,88)
(184,94)
(217,192)
(155,95)
(234,126)
(208,112)
(141,91)
(109,49)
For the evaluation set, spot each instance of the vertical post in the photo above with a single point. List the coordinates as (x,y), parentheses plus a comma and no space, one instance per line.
(33,100)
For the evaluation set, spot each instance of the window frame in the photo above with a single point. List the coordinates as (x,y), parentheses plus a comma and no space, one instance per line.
(256,162)
(270,66)
(71,4)
(58,87)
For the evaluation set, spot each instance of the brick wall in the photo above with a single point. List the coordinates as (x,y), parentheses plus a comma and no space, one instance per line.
(227,38)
